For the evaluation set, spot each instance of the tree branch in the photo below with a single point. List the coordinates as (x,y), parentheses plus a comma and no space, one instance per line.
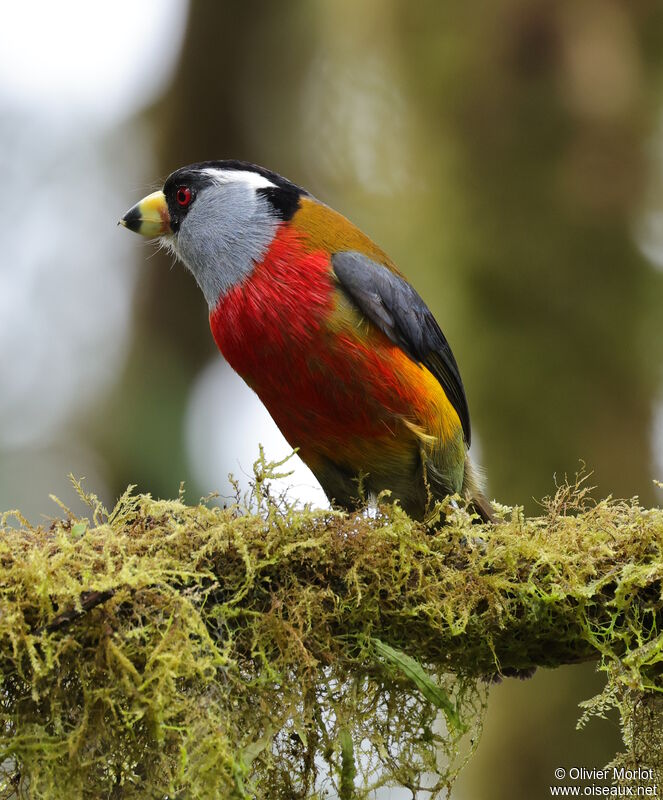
(264,644)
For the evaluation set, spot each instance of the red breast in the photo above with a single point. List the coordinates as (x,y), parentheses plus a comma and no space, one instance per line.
(326,380)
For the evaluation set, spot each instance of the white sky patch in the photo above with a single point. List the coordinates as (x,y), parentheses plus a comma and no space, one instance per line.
(72,76)
(66,278)
(648,228)
(648,234)
(649,237)
(657,435)
(108,59)
(225,424)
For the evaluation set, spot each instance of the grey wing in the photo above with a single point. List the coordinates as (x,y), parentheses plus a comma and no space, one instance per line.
(391,304)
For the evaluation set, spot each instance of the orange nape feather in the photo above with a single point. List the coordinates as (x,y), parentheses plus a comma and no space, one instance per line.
(327,230)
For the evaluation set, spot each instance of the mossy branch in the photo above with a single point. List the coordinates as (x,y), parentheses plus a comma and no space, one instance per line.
(165,649)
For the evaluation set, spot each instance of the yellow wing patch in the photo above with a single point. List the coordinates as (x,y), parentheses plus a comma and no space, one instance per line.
(426,438)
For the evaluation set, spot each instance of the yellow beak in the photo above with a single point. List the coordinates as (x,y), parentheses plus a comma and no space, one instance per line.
(150,217)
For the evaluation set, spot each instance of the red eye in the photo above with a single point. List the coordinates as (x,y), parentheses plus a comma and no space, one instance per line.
(183,196)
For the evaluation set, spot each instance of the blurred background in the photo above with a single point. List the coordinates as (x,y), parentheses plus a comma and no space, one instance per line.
(508,155)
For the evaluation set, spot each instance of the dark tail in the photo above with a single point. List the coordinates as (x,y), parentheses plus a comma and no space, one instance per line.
(473,490)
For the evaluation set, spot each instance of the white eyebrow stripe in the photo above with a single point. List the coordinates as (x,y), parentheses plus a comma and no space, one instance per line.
(239,176)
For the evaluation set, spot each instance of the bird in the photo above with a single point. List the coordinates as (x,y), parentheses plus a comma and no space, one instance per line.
(316,318)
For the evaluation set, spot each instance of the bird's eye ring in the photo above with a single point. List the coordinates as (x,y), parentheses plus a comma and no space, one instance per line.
(183,196)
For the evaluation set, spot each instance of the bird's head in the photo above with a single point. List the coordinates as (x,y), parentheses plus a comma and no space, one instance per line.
(219,217)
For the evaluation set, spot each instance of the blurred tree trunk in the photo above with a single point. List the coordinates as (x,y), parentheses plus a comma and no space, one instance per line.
(546,108)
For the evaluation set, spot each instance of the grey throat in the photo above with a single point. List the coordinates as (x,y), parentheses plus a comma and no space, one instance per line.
(225,233)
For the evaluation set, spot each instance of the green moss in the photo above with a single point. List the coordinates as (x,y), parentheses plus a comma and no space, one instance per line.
(166,650)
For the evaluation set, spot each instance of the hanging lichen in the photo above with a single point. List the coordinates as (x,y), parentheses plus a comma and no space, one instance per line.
(166,650)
